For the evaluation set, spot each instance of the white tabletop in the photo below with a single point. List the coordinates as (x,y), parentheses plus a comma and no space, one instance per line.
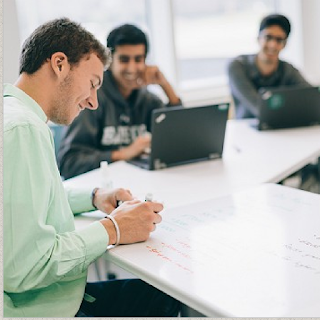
(236,288)
(250,158)
(253,254)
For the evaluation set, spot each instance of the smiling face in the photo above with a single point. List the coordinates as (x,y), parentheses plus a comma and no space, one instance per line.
(77,91)
(128,65)
(271,41)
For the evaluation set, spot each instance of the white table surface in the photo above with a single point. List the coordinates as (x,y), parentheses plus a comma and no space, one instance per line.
(250,158)
(252,254)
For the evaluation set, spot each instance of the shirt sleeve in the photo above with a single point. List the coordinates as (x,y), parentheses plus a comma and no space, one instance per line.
(242,88)
(79,199)
(293,76)
(41,245)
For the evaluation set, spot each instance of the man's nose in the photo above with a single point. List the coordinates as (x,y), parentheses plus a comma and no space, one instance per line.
(92,101)
(132,65)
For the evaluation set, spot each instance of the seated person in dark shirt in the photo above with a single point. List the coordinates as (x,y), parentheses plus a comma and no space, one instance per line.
(248,73)
(118,129)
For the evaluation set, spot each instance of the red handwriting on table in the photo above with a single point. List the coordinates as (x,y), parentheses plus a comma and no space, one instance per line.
(161,255)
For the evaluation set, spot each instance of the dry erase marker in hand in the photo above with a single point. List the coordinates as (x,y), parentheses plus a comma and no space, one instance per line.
(148,197)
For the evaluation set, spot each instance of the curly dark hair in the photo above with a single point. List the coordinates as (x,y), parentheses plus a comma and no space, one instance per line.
(60,35)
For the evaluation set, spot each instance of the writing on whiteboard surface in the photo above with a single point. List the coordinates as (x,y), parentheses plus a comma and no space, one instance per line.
(242,231)
(255,253)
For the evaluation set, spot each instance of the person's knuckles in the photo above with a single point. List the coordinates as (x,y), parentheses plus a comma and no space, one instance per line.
(146,206)
(146,237)
(133,202)
(158,218)
(157,206)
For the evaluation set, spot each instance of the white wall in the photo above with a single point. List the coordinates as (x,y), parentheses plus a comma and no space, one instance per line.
(304,43)
(11,42)
(311,40)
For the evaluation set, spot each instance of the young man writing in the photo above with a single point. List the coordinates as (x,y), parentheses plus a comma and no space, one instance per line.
(45,260)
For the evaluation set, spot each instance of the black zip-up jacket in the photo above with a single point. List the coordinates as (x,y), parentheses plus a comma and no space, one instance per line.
(94,134)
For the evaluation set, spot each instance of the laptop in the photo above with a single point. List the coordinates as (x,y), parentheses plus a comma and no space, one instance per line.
(289,107)
(183,135)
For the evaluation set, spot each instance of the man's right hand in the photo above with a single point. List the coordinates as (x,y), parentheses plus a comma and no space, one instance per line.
(136,220)
(134,149)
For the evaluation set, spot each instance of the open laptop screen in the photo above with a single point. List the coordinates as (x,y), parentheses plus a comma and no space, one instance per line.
(289,107)
(183,135)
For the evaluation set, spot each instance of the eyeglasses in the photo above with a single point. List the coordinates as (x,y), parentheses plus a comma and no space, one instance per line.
(269,37)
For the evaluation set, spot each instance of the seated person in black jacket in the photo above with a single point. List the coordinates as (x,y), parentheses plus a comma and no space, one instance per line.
(118,129)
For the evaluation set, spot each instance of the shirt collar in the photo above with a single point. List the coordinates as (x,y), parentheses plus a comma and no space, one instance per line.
(10,90)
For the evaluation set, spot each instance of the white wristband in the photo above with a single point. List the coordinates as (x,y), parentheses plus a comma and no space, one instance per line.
(116,227)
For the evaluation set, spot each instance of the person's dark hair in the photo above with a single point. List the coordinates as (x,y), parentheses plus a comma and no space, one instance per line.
(60,35)
(127,34)
(278,20)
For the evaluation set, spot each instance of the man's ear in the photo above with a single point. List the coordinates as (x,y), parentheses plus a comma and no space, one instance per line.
(60,64)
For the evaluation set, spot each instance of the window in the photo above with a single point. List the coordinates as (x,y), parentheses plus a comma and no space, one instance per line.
(98,16)
(190,40)
(209,32)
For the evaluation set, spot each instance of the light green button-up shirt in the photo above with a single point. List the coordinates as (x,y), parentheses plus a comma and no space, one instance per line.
(45,259)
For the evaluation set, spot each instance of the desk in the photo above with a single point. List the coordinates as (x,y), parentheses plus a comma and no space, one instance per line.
(250,158)
(253,254)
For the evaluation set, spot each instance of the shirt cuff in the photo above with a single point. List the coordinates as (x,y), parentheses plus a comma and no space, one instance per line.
(96,240)
(80,199)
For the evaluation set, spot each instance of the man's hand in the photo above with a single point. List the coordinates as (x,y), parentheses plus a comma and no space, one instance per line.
(107,201)
(136,220)
(134,149)
(153,75)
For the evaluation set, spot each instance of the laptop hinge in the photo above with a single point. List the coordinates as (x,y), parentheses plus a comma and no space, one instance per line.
(214,155)
(157,164)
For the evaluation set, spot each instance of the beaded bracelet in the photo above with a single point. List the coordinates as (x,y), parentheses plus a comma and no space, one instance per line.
(116,227)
